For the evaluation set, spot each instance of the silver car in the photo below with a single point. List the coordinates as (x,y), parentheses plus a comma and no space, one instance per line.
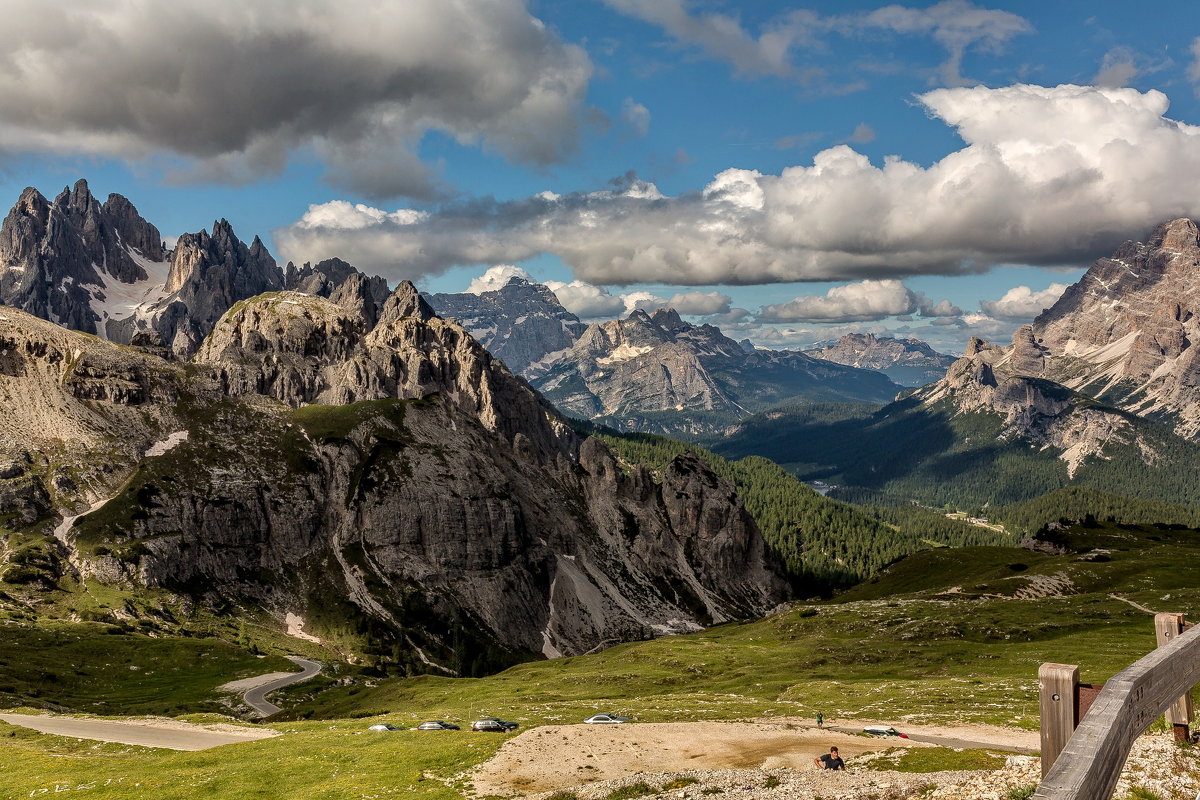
(605,719)
(437,725)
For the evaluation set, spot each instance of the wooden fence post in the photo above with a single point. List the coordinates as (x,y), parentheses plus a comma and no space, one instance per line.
(1056,689)
(1179,716)
(1089,767)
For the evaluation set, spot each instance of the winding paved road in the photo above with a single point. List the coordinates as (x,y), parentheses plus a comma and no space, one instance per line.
(146,733)
(256,697)
(172,735)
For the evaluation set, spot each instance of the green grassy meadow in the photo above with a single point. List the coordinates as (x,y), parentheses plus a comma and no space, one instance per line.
(946,635)
(310,760)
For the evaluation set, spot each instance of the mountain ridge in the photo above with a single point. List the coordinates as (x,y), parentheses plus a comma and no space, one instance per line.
(311,460)
(908,362)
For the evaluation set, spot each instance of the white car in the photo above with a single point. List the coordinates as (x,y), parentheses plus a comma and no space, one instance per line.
(384,726)
(605,719)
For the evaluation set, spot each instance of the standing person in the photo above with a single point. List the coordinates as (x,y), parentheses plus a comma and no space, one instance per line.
(830,760)
(820,720)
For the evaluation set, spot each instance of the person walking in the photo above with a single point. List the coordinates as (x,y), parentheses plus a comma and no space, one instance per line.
(820,720)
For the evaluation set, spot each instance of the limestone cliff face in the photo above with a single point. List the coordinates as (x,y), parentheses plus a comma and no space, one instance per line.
(305,349)
(388,476)
(1125,332)
(1038,411)
(74,413)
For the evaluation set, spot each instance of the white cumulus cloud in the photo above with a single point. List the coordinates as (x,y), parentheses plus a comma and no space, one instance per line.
(1033,184)
(587,301)
(854,302)
(1022,303)
(234,88)
(636,116)
(497,277)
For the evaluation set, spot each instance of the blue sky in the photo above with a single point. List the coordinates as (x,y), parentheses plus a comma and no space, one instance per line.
(639,105)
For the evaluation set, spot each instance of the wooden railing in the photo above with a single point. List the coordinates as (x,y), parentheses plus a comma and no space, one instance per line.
(1084,762)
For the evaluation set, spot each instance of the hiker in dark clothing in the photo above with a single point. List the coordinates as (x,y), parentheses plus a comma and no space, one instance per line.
(830,761)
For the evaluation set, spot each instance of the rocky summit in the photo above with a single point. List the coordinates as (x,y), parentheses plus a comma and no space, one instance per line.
(658,373)
(908,362)
(521,323)
(1123,334)
(1035,411)
(355,459)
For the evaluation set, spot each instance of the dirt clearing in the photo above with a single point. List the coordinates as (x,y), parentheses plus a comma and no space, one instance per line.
(561,756)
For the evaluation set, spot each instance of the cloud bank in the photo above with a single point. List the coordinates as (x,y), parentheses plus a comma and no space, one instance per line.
(1047,176)
(866,301)
(232,89)
(1022,303)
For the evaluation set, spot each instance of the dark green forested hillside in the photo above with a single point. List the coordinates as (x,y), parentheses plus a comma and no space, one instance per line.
(939,457)
(824,543)
(1078,503)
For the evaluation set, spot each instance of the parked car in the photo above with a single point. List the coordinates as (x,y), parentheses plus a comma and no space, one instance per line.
(437,725)
(605,719)
(883,730)
(493,724)
(384,726)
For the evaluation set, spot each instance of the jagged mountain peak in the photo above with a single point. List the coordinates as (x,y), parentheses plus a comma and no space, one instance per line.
(522,323)
(1180,235)
(406,301)
(1124,332)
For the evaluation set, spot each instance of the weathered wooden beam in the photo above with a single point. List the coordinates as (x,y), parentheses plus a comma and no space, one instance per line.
(1168,627)
(1090,764)
(1056,693)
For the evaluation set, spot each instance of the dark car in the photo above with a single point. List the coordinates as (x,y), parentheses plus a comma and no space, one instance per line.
(494,725)
(437,725)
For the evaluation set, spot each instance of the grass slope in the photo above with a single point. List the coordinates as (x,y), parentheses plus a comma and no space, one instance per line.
(823,543)
(315,761)
(101,669)
(901,647)
(909,646)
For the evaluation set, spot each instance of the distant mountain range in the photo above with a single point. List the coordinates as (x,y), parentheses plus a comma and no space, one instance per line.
(655,372)
(650,371)
(908,362)
(521,323)
(1101,391)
